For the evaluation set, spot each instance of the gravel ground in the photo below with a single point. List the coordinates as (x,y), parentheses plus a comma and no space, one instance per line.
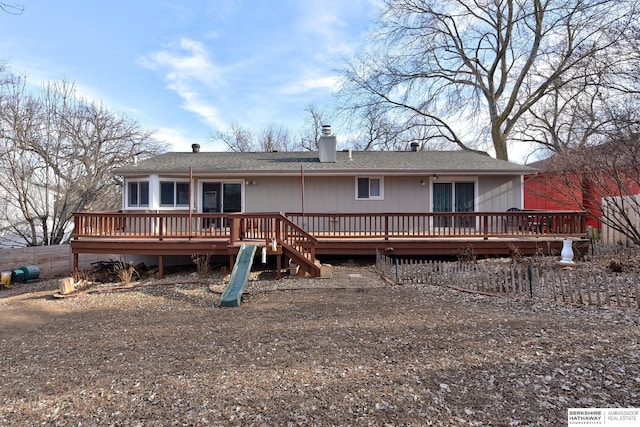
(347,350)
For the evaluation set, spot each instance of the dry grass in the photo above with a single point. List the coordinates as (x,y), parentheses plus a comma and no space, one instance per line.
(364,354)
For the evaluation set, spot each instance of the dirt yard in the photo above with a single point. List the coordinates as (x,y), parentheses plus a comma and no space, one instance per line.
(347,350)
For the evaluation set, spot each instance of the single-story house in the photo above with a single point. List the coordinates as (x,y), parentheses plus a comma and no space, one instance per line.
(337,202)
(329,181)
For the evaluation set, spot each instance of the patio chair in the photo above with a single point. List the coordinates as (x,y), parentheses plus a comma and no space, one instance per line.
(513,223)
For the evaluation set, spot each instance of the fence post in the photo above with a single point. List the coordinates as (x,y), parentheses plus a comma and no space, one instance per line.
(395,261)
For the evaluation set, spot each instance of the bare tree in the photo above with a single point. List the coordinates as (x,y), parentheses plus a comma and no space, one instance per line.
(604,180)
(241,139)
(588,110)
(376,131)
(275,138)
(237,138)
(58,153)
(313,127)
(21,117)
(471,70)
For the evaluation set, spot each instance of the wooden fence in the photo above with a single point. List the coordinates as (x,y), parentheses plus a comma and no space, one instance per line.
(612,207)
(53,261)
(583,285)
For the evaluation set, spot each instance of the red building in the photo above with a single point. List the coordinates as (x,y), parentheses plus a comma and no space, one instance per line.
(582,180)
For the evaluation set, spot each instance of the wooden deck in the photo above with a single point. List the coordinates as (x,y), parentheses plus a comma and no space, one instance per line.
(301,237)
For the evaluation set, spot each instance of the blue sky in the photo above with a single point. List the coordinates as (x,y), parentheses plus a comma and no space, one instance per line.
(185,68)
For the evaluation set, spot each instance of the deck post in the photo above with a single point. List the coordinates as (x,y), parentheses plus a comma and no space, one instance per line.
(76,276)
(278,228)
(279,267)
(160,267)
(76,226)
(232,262)
(234,229)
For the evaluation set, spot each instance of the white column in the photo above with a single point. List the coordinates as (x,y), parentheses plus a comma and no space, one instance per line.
(154,192)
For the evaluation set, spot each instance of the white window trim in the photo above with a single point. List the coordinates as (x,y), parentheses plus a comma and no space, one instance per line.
(126,194)
(174,206)
(378,177)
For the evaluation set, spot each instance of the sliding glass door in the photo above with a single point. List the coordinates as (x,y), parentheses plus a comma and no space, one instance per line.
(219,197)
(464,202)
(442,197)
(453,197)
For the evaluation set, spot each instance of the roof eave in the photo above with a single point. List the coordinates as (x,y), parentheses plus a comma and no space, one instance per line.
(328,172)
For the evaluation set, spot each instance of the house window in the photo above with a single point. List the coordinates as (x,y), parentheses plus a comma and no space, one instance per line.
(174,194)
(369,188)
(138,194)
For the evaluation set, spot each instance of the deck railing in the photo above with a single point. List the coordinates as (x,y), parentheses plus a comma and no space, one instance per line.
(265,226)
(437,225)
(132,225)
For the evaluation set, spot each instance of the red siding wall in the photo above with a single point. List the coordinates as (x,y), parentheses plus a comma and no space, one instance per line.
(548,192)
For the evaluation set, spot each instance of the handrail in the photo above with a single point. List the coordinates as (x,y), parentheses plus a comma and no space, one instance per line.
(296,237)
(298,244)
(442,224)
(161,225)
(309,227)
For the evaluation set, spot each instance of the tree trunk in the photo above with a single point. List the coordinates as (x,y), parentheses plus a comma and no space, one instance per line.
(499,142)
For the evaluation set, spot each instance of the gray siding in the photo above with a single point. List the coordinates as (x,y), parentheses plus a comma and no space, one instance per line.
(338,194)
(334,194)
(499,193)
(401,194)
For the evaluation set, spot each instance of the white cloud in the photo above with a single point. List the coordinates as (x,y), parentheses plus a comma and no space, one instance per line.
(311,83)
(189,72)
(181,142)
(331,23)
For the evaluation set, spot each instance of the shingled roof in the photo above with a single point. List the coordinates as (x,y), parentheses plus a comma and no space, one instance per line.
(290,163)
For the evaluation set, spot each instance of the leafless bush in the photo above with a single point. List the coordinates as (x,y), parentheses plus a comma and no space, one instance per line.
(515,254)
(467,254)
(84,282)
(203,263)
(125,271)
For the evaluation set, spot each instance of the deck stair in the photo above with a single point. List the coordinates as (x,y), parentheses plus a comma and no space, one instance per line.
(299,245)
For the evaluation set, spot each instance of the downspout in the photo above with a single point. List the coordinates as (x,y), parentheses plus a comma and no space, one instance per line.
(190,200)
(302,187)
(521,191)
